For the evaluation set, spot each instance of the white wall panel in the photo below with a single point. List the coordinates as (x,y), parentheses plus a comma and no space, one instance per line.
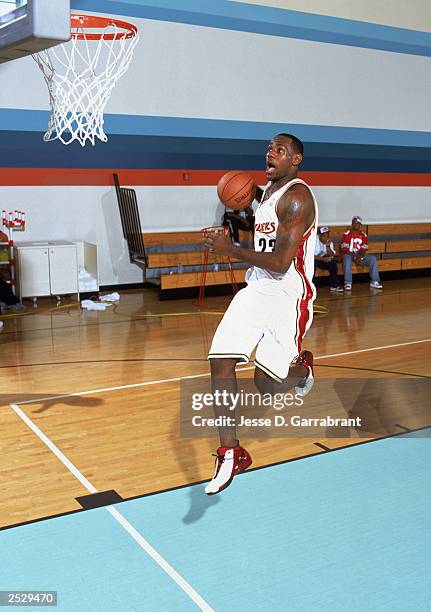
(375,204)
(204,72)
(192,71)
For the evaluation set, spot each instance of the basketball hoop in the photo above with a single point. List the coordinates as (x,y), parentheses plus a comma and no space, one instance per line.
(81,74)
(208,231)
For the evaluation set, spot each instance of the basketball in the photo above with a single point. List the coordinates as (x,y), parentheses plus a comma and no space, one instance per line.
(236,189)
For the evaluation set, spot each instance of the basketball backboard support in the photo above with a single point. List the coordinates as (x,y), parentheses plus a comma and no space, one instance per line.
(29,26)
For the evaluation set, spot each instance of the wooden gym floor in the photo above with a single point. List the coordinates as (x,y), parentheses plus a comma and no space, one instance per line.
(103,387)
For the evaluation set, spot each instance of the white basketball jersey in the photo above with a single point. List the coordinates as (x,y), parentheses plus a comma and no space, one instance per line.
(297,282)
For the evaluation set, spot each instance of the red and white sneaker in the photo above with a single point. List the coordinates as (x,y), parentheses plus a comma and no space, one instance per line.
(229,462)
(305,385)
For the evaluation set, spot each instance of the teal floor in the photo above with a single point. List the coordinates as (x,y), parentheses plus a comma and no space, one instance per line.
(345,530)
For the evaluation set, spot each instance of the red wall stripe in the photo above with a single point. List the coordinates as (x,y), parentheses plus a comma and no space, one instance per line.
(97,177)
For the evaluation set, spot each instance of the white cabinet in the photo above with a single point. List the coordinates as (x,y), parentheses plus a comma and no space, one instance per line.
(46,268)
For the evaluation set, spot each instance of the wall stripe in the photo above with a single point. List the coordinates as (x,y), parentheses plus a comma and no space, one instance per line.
(148,146)
(139,125)
(272,21)
(193,178)
(27,150)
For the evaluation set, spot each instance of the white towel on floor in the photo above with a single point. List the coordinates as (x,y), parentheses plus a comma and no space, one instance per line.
(90,305)
(112,297)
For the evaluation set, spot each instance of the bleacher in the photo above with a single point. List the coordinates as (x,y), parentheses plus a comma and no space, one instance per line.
(175,261)
(397,246)
(175,258)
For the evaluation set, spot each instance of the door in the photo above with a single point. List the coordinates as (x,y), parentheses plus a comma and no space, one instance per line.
(63,263)
(33,271)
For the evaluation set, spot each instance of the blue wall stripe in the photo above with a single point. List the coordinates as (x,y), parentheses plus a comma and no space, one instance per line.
(26,149)
(141,125)
(268,20)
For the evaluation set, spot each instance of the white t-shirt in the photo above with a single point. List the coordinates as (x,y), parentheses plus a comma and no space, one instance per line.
(320,249)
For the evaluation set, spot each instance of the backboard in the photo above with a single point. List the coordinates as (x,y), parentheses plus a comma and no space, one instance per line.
(28,26)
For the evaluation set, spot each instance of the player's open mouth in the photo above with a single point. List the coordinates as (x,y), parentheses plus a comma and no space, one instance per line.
(269,167)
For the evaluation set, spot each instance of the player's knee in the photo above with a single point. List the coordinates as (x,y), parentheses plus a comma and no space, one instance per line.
(222,368)
(263,382)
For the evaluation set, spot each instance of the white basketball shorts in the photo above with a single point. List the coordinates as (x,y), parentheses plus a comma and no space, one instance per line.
(276,324)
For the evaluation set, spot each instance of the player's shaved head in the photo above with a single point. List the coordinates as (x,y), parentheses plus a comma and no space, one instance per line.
(296,144)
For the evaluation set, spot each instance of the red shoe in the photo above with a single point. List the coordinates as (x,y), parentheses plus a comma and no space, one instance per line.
(305,385)
(230,461)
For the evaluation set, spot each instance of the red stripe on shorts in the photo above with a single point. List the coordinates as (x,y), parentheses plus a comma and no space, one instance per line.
(305,302)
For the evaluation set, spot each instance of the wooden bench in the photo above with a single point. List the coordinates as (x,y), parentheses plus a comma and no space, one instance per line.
(173,254)
(176,258)
(392,253)
(398,229)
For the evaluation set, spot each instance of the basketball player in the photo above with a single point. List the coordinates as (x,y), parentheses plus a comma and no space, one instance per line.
(274,311)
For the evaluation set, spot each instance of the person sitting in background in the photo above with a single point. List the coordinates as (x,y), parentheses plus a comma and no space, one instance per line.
(354,248)
(325,257)
(8,300)
(237,220)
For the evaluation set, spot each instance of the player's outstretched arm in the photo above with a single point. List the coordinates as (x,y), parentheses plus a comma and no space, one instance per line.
(295,213)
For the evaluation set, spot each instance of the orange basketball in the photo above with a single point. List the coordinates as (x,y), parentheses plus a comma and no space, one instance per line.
(236,189)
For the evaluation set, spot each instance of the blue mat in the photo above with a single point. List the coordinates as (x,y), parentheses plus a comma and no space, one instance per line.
(342,530)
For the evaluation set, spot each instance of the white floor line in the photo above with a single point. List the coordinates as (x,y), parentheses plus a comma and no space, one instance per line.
(375,348)
(165,566)
(179,378)
(183,584)
(52,447)
(142,384)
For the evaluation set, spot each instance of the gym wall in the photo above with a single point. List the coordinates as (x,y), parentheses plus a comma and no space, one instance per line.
(209,85)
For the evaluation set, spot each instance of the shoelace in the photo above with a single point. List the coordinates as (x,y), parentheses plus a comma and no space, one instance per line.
(219,462)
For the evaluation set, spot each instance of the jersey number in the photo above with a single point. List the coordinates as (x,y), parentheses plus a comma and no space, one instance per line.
(355,244)
(266,244)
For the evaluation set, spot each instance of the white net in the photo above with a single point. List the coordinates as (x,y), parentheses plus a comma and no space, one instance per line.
(80,76)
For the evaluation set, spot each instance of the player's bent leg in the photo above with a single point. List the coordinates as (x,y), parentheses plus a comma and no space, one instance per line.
(305,360)
(264,382)
(279,367)
(267,383)
(222,367)
(300,377)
